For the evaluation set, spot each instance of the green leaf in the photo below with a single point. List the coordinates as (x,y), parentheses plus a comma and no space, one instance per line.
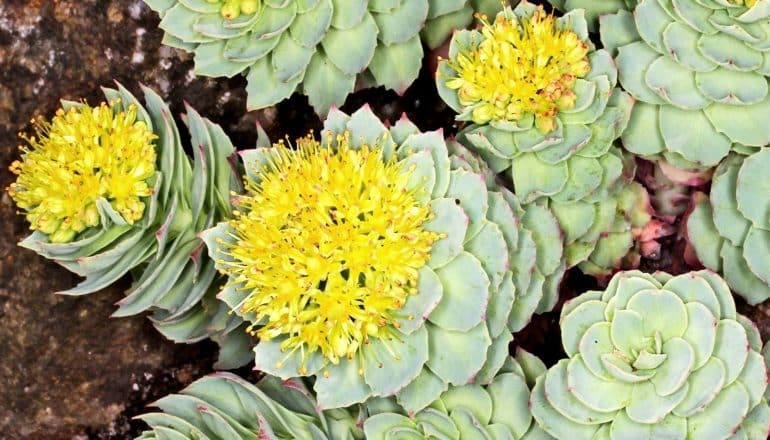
(649,407)
(632,78)
(466,293)
(728,220)
(575,323)
(598,394)
(489,247)
(343,376)
(651,20)
(326,85)
(739,276)
(379,426)
(289,58)
(451,220)
(402,23)
(420,305)
(396,66)
(701,143)
(391,365)
(681,41)
(643,135)
(675,84)
(701,332)
(309,28)
(662,311)
(352,49)
(731,347)
(705,384)
(731,87)
(263,87)
(672,374)
(348,13)
(670,427)
(421,392)
(694,15)
(752,189)
(455,356)
(723,416)
(703,235)
(553,421)
(465,188)
(729,52)
(533,178)
(558,395)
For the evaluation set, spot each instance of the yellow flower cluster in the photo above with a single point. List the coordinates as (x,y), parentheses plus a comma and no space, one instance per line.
(83,154)
(328,244)
(520,68)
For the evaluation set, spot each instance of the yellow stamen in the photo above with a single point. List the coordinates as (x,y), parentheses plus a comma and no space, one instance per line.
(83,154)
(520,68)
(328,243)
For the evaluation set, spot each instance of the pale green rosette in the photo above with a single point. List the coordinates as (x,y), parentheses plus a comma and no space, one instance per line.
(223,406)
(174,278)
(316,47)
(730,230)
(574,170)
(656,356)
(497,264)
(699,72)
(446,16)
(497,409)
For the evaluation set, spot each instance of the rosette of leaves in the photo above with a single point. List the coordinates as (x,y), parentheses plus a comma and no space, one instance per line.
(446,16)
(315,47)
(496,409)
(656,356)
(225,406)
(698,70)
(730,230)
(109,191)
(550,125)
(400,286)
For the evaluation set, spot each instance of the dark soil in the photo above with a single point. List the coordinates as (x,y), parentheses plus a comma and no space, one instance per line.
(66,369)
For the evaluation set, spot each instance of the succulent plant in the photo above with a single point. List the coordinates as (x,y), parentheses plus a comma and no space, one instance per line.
(550,128)
(497,409)
(446,16)
(225,406)
(401,286)
(730,230)
(655,356)
(698,70)
(316,47)
(108,190)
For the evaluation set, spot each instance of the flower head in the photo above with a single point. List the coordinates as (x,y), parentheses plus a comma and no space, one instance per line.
(354,256)
(328,243)
(81,155)
(522,66)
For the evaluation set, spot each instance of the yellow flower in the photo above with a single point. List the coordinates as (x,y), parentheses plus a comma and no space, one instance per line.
(327,243)
(83,154)
(520,68)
